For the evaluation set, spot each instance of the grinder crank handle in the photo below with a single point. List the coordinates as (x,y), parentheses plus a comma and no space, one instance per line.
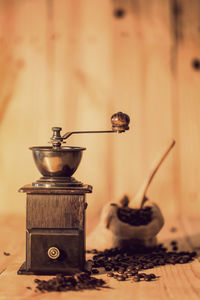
(120,122)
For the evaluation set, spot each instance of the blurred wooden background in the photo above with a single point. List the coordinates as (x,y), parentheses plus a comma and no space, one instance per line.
(73,63)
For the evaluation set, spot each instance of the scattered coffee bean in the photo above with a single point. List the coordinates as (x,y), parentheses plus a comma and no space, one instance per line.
(36,280)
(126,261)
(6,253)
(142,275)
(134,272)
(173,229)
(29,288)
(110,274)
(92,251)
(147,278)
(121,270)
(120,278)
(129,268)
(108,268)
(62,283)
(153,276)
(138,267)
(129,274)
(136,278)
(95,271)
(89,265)
(196,63)
(173,243)
(129,260)
(119,13)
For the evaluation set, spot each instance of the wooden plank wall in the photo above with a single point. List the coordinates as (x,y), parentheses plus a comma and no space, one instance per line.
(72,64)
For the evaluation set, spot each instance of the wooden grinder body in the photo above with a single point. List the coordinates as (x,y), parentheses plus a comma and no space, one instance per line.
(55,230)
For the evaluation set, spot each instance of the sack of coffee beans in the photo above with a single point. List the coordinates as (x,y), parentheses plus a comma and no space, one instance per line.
(121,225)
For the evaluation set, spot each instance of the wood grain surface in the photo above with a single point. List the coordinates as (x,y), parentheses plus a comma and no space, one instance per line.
(175,281)
(73,64)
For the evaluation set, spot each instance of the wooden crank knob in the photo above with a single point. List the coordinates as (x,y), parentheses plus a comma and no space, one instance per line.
(120,121)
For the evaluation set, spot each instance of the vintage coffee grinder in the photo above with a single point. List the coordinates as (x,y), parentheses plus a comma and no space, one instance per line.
(55,206)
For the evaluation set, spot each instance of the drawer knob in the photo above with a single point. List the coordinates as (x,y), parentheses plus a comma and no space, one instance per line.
(53,253)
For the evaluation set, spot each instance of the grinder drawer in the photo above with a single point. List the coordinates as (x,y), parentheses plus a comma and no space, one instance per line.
(55,250)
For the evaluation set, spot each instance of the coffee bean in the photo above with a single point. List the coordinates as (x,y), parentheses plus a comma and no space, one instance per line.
(94,251)
(119,13)
(108,269)
(94,271)
(134,272)
(147,278)
(121,270)
(62,283)
(129,260)
(136,278)
(134,217)
(142,275)
(196,63)
(110,274)
(139,267)
(37,280)
(129,268)
(129,274)
(153,276)
(120,278)
(149,265)
(174,243)
(173,229)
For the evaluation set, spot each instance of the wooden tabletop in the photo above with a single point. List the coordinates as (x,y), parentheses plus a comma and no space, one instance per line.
(175,282)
